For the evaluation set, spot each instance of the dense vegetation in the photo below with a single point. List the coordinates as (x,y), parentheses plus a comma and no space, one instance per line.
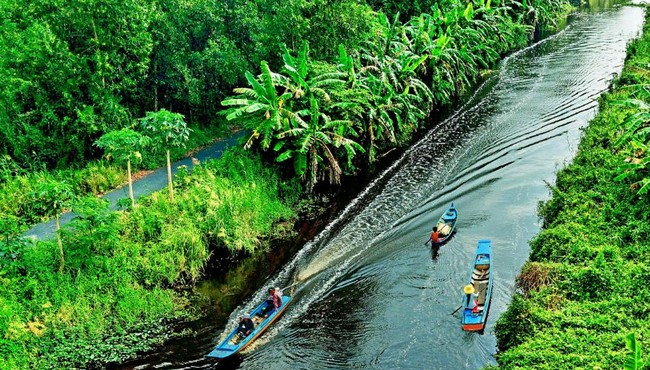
(389,75)
(322,116)
(585,287)
(74,70)
(86,72)
(119,266)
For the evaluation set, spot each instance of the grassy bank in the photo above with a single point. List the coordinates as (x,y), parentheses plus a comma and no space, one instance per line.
(121,268)
(585,285)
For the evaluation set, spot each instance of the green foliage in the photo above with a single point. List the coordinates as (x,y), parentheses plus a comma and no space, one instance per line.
(19,195)
(633,359)
(262,108)
(51,198)
(89,67)
(93,232)
(595,243)
(635,140)
(11,246)
(406,9)
(347,22)
(74,71)
(73,66)
(313,144)
(122,145)
(112,300)
(166,129)
(515,325)
(385,89)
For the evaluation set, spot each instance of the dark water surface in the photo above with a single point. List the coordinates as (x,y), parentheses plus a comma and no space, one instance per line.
(369,294)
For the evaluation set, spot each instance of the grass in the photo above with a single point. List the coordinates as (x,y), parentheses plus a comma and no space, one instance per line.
(585,287)
(18,187)
(118,288)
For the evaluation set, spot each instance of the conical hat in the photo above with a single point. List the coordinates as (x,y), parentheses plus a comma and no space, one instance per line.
(469,289)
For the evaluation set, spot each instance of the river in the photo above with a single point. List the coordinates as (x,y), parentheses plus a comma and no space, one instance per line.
(368,293)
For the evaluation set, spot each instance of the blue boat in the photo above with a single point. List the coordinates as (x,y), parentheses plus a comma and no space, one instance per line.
(446,225)
(478,290)
(234,342)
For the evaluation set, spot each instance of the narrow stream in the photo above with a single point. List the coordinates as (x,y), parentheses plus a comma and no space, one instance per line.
(368,294)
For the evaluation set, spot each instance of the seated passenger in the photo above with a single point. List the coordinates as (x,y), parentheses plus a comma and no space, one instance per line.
(475,309)
(273,302)
(246,325)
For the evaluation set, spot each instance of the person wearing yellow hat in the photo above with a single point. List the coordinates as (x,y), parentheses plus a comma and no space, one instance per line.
(469,290)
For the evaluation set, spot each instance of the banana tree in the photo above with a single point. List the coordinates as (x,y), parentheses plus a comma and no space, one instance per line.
(633,360)
(347,65)
(389,43)
(314,145)
(260,107)
(167,130)
(304,82)
(124,146)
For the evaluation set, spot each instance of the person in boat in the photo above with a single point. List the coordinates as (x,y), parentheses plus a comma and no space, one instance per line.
(469,291)
(475,308)
(273,302)
(246,326)
(434,238)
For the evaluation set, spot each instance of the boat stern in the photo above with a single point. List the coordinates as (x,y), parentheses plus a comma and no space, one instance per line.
(472,322)
(221,353)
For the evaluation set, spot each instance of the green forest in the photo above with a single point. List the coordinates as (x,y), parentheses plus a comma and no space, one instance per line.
(95,90)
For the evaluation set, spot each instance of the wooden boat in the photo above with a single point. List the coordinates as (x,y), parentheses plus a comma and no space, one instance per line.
(234,342)
(478,290)
(446,225)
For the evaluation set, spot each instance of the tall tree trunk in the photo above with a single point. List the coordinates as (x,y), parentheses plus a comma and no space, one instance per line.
(58,239)
(155,86)
(128,171)
(169,177)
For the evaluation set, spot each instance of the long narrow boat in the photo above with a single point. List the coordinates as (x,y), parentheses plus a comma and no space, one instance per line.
(234,342)
(446,225)
(478,290)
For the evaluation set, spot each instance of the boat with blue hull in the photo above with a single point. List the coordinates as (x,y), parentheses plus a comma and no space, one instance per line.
(446,225)
(478,290)
(235,342)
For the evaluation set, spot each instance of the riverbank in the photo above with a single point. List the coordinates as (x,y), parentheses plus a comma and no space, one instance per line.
(583,289)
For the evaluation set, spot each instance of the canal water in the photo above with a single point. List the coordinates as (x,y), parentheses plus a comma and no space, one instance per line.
(368,294)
